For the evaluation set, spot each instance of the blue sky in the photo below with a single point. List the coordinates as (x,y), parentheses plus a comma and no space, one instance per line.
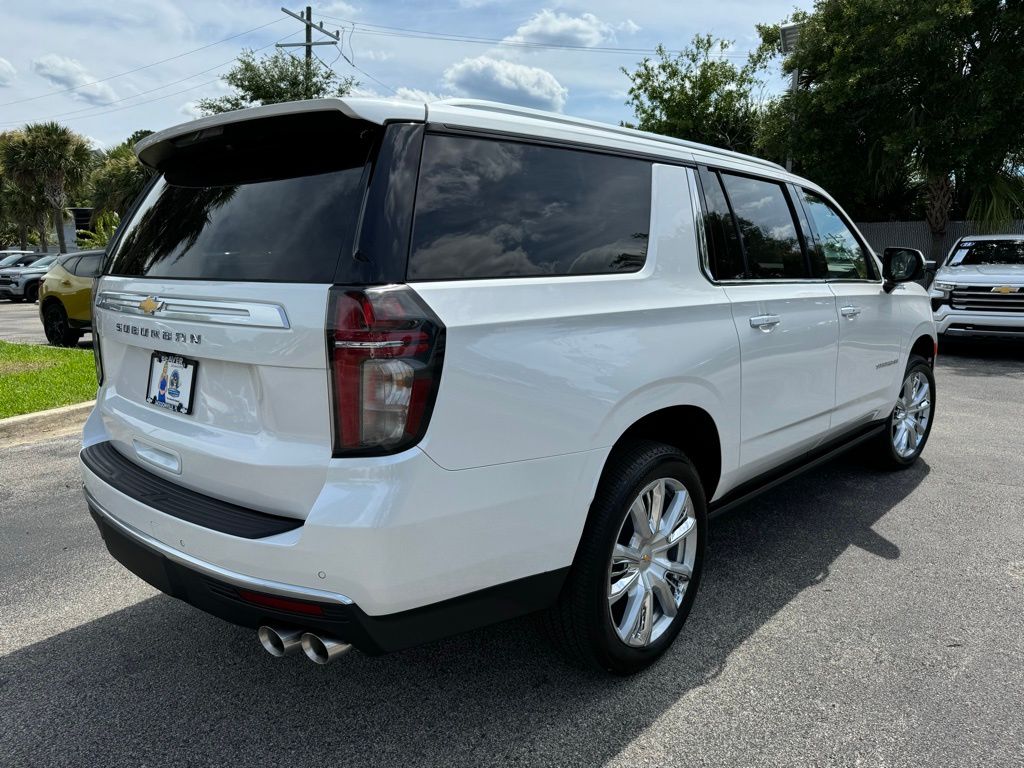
(52,53)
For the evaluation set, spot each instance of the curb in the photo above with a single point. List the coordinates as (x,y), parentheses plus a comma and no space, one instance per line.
(31,424)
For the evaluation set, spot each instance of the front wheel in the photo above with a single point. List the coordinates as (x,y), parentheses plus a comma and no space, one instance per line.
(910,422)
(32,293)
(638,564)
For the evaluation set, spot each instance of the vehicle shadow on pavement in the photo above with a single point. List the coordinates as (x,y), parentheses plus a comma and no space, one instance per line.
(963,356)
(160,683)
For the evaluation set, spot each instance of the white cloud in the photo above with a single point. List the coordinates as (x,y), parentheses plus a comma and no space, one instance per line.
(629,26)
(7,72)
(68,73)
(339,7)
(499,80)
(417,94)
(376,55)
(190,109)
(551,28)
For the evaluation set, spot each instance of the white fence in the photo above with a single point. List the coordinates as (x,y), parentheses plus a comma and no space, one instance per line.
(916,234)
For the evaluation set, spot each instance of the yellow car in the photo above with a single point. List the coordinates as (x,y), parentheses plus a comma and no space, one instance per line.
(65,297)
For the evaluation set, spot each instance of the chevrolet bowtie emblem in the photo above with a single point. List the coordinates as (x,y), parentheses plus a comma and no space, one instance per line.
(1004,289)
(149,305)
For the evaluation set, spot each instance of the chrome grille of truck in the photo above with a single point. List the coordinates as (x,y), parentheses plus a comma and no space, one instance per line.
(987,298)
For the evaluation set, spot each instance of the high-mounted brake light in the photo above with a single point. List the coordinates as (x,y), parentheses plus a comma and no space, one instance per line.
(385,347)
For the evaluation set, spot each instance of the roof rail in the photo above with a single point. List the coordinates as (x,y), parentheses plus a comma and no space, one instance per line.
(554,117)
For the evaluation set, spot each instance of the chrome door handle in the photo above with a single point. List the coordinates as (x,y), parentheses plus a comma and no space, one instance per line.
(765,322)
(849,311)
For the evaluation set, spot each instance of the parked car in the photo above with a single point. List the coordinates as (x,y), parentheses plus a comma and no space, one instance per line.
(978,290)
(65,297)
(21,281)
(18,258)
(514,368)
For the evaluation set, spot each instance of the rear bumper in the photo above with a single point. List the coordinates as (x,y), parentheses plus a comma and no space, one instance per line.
(219,591)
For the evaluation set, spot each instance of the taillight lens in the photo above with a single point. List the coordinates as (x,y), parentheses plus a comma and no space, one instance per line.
(386,349)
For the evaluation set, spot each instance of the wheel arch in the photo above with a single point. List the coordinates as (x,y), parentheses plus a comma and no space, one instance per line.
(689,428)
(925,347)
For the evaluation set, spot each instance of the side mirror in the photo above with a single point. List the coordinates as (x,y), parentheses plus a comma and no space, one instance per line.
(901,265)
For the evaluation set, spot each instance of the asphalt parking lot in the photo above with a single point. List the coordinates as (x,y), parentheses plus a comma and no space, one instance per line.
(19,322)
(847,618)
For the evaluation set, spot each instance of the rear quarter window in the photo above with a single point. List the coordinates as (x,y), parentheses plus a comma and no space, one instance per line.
(490,209)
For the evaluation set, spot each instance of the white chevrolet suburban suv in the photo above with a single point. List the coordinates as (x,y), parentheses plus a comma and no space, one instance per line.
(376,372)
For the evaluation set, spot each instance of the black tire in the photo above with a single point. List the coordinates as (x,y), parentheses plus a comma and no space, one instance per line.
(16,299)
(56,327)
(883,448)
(32,293)
(580,624)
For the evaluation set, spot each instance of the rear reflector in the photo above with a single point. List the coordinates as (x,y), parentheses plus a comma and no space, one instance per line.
(386,349)
(280,603)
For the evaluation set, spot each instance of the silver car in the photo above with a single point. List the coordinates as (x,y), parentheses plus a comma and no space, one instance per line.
(978,290)
(21,283)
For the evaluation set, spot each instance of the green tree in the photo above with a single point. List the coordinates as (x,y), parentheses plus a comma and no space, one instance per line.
(119,178)
(274,78)
(105,224)
(699,94)
(914,95)
(22,208)
(50,160)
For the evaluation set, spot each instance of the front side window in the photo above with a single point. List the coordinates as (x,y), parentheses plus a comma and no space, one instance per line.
(491,209)
(838,255)
(769,233)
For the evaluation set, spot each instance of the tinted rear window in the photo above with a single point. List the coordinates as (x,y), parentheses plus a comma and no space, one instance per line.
(487,208)
(268,200)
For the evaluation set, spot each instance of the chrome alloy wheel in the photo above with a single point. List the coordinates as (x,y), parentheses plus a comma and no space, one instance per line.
(652,562)
(911,415)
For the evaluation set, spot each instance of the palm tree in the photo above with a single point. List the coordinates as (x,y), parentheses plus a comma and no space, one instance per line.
(117,181)
(51,158)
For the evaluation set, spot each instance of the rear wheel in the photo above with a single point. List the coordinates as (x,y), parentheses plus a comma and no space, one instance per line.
(639,561)
(910,422)
(57,328)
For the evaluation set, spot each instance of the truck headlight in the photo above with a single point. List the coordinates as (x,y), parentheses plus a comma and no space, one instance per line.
(941,285)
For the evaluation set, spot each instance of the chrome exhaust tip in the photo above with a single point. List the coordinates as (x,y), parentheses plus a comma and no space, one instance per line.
(323,650)
(280,641)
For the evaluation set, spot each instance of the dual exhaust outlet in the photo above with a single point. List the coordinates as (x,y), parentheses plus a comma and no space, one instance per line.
(284,641)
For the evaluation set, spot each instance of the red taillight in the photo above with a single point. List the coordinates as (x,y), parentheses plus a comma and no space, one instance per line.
(385,348)
(280,603)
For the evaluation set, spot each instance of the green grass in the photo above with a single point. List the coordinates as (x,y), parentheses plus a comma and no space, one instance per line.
(34,378)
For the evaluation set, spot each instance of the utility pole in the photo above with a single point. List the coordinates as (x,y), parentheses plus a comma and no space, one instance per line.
(789,35)
(307,19)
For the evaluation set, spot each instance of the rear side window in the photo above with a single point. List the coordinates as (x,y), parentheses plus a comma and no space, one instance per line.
(88,266)
(275,199)
(490,209)
(770,239)
(723,239)
(837,249)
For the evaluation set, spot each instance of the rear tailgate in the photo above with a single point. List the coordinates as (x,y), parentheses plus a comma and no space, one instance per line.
(212,308)
(259,430)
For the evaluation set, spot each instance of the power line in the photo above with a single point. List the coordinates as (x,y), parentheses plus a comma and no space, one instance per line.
(139,69)
(386,31)
(96,111)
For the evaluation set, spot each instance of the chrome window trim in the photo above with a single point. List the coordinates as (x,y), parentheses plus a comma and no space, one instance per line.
(215,571)
(214,311)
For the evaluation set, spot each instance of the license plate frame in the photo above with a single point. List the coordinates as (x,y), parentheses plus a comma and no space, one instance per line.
(171,384)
